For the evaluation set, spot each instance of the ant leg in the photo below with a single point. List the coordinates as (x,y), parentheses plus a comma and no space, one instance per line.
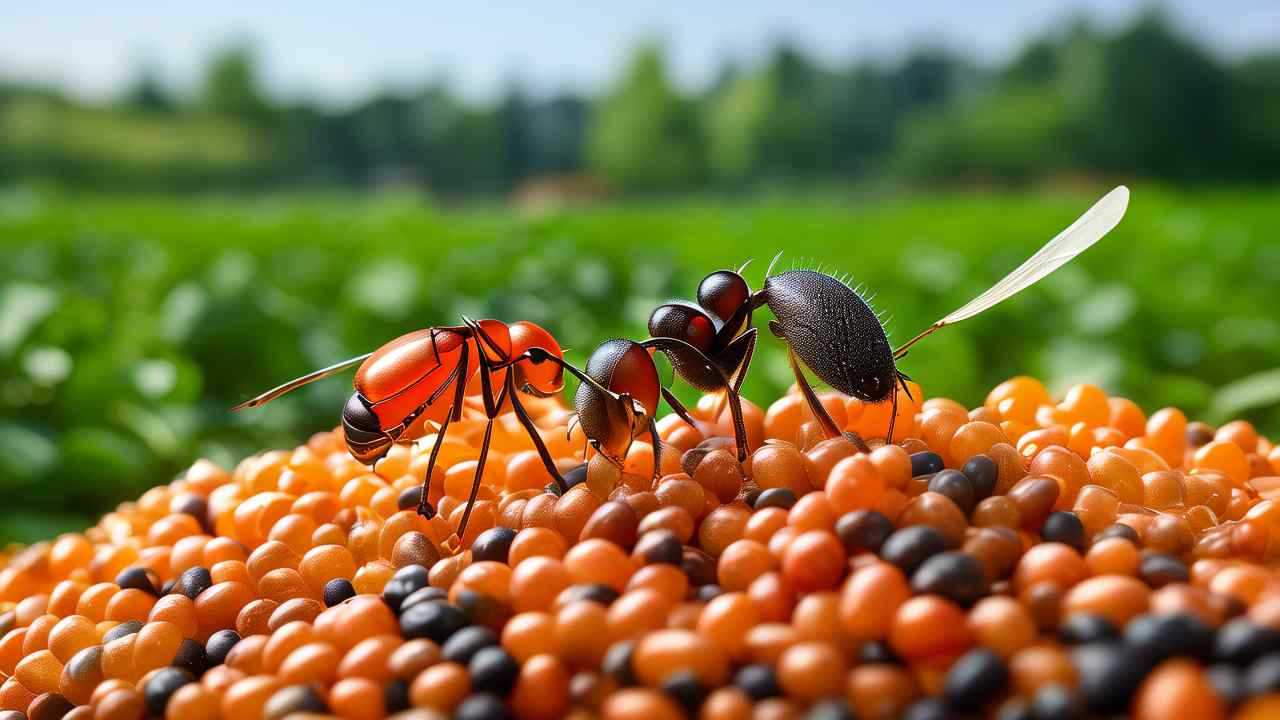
(459,393)
(523,416)
(537,355)
(735,402)
(657,449)
(893,417)
(677,407)
(819,412)
(475,483)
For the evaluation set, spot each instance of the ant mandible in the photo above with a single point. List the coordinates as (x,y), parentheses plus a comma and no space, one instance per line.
(826,326)
(423,376)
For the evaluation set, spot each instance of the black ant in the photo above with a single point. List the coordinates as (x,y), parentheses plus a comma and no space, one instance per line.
(825,324)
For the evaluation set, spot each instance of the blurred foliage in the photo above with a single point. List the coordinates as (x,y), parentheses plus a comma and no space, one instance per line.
(1144,100)
(128,325)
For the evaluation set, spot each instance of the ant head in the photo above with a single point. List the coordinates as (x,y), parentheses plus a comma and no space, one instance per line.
(875,386)
(722,293)
(684,321)
(614,418)
(543,378)
(363,431)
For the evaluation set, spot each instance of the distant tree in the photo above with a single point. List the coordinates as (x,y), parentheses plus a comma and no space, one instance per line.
(644,136)
(148,93)
(557,134)
(513,119)
(1163,106)
(231,84)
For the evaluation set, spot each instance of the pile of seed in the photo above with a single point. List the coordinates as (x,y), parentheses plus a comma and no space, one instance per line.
(1024,559)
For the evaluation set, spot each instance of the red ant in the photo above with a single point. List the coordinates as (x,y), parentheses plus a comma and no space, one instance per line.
(826,325)
(407,382)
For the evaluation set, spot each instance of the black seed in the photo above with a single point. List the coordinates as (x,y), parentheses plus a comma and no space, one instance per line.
(493,670)
(778,497)
(863,530)
(194,581)
(830,709)
(758,681)
(982,472)
(218,645)
(660,547)
(482,707)
(954,485)
(617,663)
(410,498)
(707,593)
(195,506)
(435,621)
(926,463)
(1064,527)
(1263,676)
(190,657)
(699,566)
(1054,702)
(396,695)
(576,476)
(162,685)
(1161,637)
(1109,674)
(426,594)
(1228,682)
(932,708)
(1242,641)
(1199,434)
(406,580)
(337,590)
(168,586)
(1014,708)
(976,678)
(124,629)
(139,578)
(1119,530)
(1083,628)
(1158,570)
(751,496)
(957,576)
(595,592)
(493,544)
(293,699)
(683,687)
(876,651)
(467,642)
(909,547)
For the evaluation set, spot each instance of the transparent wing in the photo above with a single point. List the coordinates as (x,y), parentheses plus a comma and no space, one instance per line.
(296,383)
(1088,229)
(1084,232)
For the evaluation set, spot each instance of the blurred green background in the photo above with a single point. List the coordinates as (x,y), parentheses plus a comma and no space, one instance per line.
(169,251)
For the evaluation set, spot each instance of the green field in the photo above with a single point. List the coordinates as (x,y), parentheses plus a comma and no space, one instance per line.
(129,325)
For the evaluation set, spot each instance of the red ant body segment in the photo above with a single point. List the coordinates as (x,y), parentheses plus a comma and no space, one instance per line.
(423,376)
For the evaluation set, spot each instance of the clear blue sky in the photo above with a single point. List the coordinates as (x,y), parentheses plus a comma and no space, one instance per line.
(337,52)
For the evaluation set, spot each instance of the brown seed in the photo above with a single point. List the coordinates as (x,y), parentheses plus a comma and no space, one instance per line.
(414,548)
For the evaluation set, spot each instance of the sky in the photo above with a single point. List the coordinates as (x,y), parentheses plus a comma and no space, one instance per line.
(337,53)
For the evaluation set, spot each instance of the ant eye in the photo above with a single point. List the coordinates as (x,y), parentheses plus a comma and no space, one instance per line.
(871,387)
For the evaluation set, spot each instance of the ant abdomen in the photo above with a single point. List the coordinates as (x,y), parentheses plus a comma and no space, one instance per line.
(833,331)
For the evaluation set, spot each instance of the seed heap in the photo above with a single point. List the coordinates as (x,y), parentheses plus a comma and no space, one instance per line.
(1024,559)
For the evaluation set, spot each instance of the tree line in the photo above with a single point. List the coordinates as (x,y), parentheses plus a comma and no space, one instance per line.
(1145,99)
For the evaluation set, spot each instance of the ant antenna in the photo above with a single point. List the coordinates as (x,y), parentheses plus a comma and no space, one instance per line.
(744,265)
(772,262)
